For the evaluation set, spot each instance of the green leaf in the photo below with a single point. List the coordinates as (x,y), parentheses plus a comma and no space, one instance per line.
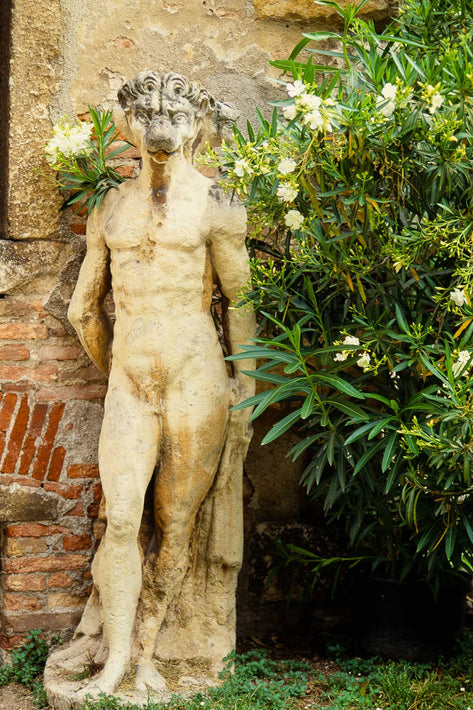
(340,384)
(281,427)
(367,456)
(390,444)
(306,409)
(356,413)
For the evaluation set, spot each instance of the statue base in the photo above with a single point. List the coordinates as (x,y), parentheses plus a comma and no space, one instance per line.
(67,690)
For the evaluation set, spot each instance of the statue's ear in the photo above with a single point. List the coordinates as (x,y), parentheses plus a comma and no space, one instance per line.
(120,118)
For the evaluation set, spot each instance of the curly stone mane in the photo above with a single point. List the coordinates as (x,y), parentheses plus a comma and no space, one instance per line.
(148,86)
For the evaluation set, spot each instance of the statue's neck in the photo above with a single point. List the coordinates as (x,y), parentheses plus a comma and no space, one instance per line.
(158,176)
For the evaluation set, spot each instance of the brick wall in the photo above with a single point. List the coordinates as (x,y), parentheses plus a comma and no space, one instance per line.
(48,391)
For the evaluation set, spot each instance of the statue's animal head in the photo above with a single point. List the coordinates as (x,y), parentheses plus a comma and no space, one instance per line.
(165,113)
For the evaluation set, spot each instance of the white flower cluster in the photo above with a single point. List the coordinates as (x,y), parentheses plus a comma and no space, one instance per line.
(69,138)
(242,168)
(458,296)
(309,106)
(364,359)
(386,102)
(462,364)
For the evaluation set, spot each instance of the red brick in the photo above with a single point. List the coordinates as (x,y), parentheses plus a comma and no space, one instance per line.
(17,331)
(57,332)
(72,392)
(3,438)
(22,481)
(25,547)
(34,530)
(12,308)
(16,437)
(65,491)
(21,602)
(24,582)
(45,564)
(59,352)
(44,452)
(125,170)
(86,374)
(41,373)
(55,466)
(16,386)
(8,407)
(37,419)
(14,352)
(98,492)
(59,579)
(77,510)
(27,454)
(74,543)
(47,621)
(93,510)
(78,227)
(11,642)
(83,470)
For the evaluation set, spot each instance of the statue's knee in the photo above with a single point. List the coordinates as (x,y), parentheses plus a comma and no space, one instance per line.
(123,524)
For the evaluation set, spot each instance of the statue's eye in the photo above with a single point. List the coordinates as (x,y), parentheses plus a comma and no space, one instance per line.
(143,118)
(179,118)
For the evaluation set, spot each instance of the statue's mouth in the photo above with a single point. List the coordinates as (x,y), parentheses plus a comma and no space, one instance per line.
(161,156)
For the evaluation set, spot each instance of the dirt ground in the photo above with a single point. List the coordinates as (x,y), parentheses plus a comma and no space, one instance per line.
(15,697)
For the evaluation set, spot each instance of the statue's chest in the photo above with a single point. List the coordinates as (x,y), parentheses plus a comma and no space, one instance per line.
(141,226)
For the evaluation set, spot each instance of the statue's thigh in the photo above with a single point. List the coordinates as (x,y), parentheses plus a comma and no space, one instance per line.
(128,445)
(194,429)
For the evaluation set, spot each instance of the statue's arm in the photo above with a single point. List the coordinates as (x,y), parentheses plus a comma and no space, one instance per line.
(231,264)
(86,312)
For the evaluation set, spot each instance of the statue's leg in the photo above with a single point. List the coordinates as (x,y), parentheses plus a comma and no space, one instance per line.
(127,456)
(194,428)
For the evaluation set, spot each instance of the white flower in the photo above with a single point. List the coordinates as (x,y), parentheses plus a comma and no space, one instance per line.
(458,296)
(242,168)
(460,366)
(340,357)
(309,101)
(389,91)
(385,107)
(314,120)
(436,100)
(296,88)
(287,166)
(293,219)
(290,112)
(364,361)
(68,139)
(287,192)
(350,340)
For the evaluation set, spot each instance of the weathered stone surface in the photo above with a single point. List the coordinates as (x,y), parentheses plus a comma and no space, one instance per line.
(19,503)
(308,10)
(33,201)
(22,262)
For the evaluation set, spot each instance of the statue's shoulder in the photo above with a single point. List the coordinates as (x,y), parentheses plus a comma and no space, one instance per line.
(227,214)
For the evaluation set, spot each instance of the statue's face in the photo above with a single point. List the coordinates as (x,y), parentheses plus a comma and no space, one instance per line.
(162,127)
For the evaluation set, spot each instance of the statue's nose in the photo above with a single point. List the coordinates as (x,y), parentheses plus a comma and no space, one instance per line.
(160,135)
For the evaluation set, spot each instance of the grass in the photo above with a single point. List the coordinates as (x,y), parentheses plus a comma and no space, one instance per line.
(336,681)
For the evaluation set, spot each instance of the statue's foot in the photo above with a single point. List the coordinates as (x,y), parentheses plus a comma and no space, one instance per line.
(105,682)
(77,654)
(148,678)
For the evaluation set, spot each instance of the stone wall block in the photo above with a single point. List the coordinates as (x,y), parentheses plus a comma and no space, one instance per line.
(18,503)
(309,11)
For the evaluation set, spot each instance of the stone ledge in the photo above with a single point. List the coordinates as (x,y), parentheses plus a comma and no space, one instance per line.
(308,10)
(19,504)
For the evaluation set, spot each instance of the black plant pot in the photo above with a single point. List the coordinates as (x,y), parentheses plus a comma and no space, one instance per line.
(405,619)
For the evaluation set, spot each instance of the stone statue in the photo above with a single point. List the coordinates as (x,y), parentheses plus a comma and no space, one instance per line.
(164,576)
